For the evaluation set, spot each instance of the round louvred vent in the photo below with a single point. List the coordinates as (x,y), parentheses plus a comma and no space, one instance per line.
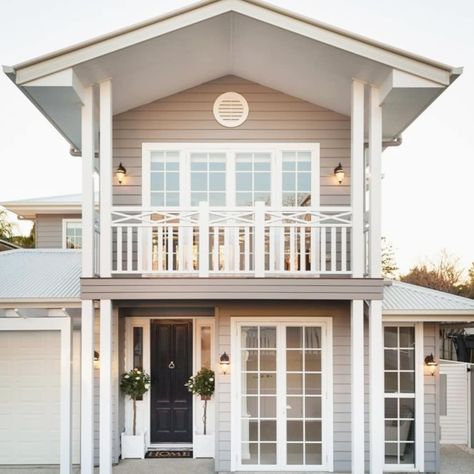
(231,109)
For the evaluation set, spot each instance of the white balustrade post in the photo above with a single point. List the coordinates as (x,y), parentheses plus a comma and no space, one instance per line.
(87,387)
(105,418)
(375,184)
(204,239)
(376,387)
(105,178)
(259,242)
(357,178)
(357,386)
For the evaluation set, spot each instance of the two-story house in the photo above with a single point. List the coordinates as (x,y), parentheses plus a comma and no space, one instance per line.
(231,218)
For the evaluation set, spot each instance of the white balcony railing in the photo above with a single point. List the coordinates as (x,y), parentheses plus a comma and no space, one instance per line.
(257,241)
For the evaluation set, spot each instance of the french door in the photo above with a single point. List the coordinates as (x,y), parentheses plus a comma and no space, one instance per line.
(283,405)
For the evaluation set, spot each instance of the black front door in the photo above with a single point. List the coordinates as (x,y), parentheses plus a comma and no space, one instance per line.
(171,366)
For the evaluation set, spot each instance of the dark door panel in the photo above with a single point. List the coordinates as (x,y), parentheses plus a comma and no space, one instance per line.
(171,366)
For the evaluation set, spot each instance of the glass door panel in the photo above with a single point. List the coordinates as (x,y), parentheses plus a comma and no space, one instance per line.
(281,372)
(259,390)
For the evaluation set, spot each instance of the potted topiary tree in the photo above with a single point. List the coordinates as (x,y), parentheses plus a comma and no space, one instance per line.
(134,384)
(202,384)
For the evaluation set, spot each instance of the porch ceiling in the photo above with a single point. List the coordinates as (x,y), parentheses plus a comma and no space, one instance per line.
(248,39)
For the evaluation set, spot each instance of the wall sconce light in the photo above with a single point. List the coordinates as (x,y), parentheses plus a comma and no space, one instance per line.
(121,173)
(96,360)
(224,362)
(431,364)
(339,173)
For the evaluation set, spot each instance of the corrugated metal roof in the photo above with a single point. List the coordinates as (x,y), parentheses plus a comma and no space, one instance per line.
(399,296)
(55,274)
(40,273)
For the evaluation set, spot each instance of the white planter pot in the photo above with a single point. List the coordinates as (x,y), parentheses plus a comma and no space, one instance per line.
(133,447)
(203,446)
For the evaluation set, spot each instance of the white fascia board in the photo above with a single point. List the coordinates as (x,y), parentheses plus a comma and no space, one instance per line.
(127,37)
(30,211)
(64,78)
(116,41)
(40,303)
(402,80)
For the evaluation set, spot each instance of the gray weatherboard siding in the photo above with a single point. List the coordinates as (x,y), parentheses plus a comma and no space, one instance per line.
(273,117)
(49,230)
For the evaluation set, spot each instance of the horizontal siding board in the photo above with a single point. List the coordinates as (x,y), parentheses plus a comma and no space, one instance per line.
(273,117)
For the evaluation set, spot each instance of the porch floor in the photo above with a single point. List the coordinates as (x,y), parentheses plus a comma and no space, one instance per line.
(137,466)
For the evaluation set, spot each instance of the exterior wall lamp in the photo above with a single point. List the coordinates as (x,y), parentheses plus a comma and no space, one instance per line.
(96,360)
(339,173)
(121,173)
(431,364)
(224,362)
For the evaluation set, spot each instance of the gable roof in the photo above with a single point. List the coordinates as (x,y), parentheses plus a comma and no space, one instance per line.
(40,275)
(400,297)
(247,38)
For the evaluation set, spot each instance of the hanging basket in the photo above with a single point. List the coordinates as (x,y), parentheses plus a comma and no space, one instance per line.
(205,398)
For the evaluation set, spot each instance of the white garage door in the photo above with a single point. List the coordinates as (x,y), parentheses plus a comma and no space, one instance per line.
(454,409)
(29,397)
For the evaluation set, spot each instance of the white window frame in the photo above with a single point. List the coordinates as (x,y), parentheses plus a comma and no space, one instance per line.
(419,403)
(65,223)
(143,406)
(231,148)
(327,396)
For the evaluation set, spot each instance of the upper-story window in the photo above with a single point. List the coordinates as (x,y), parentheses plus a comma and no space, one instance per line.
(208,178)
(231,174)
(296,178)
(164,178)
(253,178)
(72,233)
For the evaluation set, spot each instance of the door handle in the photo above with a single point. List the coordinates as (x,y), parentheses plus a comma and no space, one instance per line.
(171,365)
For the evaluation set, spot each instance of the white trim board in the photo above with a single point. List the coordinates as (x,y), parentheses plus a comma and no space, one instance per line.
(126,37)
(63,325)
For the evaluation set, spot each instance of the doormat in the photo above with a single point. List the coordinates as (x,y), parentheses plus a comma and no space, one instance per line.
(169,453)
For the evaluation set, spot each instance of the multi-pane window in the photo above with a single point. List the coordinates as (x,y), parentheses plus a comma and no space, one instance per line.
(399,374)
(253,178)
(296,178)
(73,234)
(303,395)
(164,178)
(208,178)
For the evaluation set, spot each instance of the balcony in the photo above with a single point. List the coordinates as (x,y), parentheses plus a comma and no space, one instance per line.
(248,242)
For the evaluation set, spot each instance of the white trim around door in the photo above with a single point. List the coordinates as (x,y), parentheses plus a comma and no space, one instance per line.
(143,406)
(287,399)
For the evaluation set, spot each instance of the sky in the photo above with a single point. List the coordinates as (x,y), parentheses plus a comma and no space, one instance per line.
(428,191)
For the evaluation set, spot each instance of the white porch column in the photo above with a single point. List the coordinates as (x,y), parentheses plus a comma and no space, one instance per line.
(105,160)
(357,386)
(105,444)
(87,387)
(66,398)
(376,383)
(357,178)
(88,150)
(375,184)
